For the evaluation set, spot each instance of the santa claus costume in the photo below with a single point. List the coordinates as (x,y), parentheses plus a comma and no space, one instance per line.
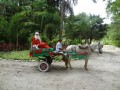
(36,42)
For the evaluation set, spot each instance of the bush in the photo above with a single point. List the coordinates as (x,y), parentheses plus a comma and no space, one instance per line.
(113,38)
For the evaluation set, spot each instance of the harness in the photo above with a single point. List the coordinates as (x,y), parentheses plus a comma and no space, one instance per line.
(79,53)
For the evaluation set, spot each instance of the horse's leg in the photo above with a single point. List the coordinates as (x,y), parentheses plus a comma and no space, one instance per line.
(86,62)
(69,64)
(66,63)
(69,59)
(65,60)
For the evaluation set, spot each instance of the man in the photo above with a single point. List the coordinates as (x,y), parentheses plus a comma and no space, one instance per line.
(59,51)
(36,42)
(59,46)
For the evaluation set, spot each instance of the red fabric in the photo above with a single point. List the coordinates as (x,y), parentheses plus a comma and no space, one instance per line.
(84,53)
(43,45)
(38,51)
(35,41)
(51,53)
(31,54)
(40,44)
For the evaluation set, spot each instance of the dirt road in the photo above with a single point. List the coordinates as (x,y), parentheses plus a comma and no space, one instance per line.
(103,74)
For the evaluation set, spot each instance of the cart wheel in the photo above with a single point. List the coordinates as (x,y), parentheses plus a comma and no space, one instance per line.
(43,66)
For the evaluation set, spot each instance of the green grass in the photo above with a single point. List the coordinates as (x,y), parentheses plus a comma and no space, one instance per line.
(16,55)
(21,55)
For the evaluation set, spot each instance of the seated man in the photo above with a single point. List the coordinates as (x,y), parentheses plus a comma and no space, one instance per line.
(59,51)
(36,42)
(58,47)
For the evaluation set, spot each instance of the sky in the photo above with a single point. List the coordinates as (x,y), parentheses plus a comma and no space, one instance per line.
(89,7)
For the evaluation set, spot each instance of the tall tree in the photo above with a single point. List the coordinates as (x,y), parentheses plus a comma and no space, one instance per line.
(64,7)
(85,27)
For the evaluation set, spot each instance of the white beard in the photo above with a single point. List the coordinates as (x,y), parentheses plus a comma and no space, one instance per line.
(37,37)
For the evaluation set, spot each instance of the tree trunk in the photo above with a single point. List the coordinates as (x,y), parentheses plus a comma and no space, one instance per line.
(62,15)
(91,39)
(17,41)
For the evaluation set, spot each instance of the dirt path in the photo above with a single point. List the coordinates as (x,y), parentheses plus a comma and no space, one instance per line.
(103,74)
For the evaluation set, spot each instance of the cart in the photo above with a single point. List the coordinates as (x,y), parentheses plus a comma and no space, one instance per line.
(46,57)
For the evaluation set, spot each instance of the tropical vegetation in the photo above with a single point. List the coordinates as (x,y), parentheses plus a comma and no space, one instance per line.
(54,19)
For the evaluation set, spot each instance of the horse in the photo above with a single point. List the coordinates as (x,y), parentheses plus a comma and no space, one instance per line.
(80,48)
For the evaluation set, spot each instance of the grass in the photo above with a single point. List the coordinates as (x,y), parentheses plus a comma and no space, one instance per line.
(16,55)
(21,55)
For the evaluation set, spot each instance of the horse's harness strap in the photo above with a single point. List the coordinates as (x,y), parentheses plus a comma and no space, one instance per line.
(92,50)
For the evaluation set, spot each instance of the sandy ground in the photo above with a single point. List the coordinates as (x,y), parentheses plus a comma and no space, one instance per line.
(103,74)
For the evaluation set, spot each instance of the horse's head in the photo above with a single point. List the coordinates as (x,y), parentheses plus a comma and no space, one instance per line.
(99,47)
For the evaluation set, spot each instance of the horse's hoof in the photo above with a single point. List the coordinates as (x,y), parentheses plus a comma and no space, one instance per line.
(86,68)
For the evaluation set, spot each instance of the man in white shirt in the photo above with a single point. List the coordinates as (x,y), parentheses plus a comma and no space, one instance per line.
(59,46)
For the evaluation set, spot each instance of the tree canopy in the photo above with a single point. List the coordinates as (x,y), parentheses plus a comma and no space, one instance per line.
(19,19)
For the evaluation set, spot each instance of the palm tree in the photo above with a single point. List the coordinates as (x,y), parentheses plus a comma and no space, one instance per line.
(65,8)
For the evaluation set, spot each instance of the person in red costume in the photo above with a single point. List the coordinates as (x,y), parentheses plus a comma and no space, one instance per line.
(37,43)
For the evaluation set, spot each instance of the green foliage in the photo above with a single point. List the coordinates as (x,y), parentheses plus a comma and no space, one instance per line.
(39,5)
(4,33)
(113,37)
(18,22)
(87,27)
(44,18)
(19,27)
(50,30)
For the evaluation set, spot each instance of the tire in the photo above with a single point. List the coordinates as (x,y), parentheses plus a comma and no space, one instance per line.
(43,66)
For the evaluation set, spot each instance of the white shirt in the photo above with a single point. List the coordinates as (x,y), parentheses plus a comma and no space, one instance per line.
(58,47)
